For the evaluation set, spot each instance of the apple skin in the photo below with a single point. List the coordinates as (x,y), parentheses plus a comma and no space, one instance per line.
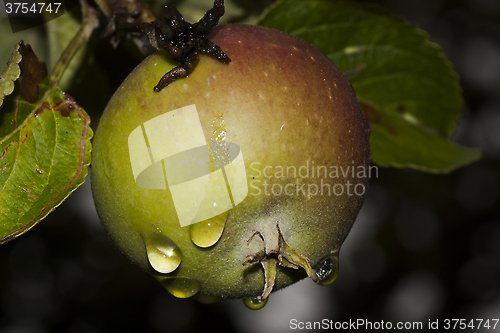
(285,104)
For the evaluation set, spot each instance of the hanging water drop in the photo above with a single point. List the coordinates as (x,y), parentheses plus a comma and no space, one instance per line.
(207,233)
(326,272)
(255,303)
(181,287)
(163,254)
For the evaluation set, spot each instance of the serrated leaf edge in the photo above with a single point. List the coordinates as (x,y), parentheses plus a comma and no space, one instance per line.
(14,60)
(81,164)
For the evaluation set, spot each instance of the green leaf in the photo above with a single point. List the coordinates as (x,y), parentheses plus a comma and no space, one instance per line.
(411,89)
(44,148)
(413,146)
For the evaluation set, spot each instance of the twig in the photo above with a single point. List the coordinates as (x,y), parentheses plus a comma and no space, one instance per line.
(89,23)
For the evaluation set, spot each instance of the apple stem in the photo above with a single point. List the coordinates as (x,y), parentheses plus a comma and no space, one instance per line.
(89,23)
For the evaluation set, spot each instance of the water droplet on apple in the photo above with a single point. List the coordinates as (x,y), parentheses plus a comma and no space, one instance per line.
(181,287)
(326,272)
(218,147)
(163,254)
(207,233)
(255,303)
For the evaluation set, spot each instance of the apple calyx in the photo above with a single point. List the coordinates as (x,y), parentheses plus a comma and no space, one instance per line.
(272,256)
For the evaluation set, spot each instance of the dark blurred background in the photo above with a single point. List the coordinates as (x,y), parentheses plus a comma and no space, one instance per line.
(424,247)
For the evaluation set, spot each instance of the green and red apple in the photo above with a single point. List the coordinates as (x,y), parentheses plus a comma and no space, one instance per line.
(302,156)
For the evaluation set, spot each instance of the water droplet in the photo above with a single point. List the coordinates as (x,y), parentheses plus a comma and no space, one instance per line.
(207,233)
(181,287)
(164,256)
(218,148)
(326,272)
(255,303)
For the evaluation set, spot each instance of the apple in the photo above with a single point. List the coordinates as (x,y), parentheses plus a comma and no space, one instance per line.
(239,179)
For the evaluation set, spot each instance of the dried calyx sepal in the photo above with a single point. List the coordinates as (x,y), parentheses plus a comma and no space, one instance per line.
(270,257)
(274,251)
(180,39)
